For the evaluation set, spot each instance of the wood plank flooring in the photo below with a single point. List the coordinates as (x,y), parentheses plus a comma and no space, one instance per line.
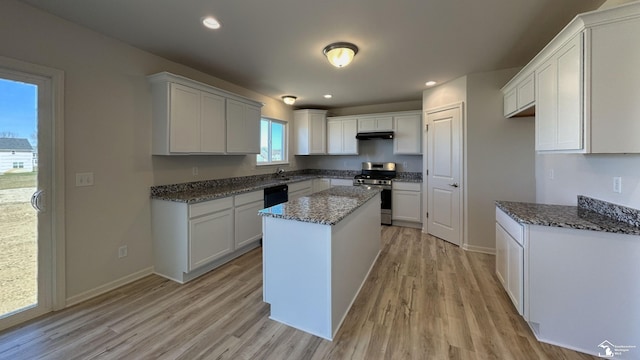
(425,299)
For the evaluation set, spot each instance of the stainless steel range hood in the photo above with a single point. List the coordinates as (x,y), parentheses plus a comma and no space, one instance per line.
(374,135)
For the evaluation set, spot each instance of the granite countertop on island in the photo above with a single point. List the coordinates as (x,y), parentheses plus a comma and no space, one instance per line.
(327,207)
(590,214)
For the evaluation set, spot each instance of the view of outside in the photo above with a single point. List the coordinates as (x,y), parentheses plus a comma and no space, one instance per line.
(18,170)
(274,150)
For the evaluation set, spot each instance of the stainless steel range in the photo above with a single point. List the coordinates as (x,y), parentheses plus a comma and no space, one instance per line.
(377,174)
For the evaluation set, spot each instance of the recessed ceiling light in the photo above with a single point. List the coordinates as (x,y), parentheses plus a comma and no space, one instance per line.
(328,96)
(430,83)
(210,22)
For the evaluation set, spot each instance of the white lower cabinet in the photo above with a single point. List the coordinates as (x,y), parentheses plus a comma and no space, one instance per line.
(210,237)
(510,258)
(406,200)
(248,224)
(341,182)
(192,239)
(321,184)
(299,189)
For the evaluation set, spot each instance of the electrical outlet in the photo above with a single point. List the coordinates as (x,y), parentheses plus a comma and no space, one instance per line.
(84,179)
(194,170)
(617,184)
(122,251)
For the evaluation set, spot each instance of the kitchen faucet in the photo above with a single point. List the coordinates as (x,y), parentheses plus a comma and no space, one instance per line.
(280,171)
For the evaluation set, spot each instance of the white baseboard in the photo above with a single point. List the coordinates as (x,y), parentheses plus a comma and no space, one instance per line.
(479,249)
(76,299)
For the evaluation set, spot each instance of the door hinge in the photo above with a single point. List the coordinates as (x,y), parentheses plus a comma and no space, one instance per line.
(427,171)
(426,127)
(427,214)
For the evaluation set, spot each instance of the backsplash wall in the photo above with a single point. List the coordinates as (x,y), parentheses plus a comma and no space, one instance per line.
(370,150)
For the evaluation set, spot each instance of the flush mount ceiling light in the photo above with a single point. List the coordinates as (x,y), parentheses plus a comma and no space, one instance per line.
(210,22)
(340,54)
(430,83)
(289,99)
(328,96)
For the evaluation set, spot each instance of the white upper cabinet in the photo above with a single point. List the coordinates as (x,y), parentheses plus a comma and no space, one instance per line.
(243,128)
(407,133)
(587,85)
(311,132)
(558,109)
(375,123)
(519,96)
(190,117)
(341,136)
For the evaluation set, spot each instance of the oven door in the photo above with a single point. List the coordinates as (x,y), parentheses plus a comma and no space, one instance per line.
(385,207)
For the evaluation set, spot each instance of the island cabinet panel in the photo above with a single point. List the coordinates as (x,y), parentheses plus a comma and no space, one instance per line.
(313,272)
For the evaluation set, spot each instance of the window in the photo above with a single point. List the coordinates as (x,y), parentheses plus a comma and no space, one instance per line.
(18,165)
(273,142)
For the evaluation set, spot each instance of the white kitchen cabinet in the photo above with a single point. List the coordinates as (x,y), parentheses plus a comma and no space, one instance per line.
(375,123)
(341,182)
(187,120)
(192,118)
(559,120)
(510,258)
(519,96)
(243,128)
(406,200)
(321,184)
(311,132)
(341,136)
(248,224)
(587,85)
(210,237)
(407,134)
(299,189)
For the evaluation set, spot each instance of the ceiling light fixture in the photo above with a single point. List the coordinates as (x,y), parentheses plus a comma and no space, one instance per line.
(430,83)
(340,54)
(289,99)
(328,96)
(210,22)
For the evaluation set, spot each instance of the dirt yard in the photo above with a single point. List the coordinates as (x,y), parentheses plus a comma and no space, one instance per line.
(18,248)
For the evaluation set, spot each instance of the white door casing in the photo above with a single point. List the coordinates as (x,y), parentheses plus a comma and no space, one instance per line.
(51,244)
(444,159)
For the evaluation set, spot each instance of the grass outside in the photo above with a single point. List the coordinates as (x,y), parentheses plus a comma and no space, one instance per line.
(18,247)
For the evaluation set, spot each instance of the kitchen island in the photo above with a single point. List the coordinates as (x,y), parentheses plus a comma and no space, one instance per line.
(317,252)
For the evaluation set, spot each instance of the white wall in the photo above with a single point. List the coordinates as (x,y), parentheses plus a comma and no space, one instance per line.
(108,132)
(499,156)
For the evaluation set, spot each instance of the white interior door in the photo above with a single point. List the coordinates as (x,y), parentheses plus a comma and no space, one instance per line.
(29,265)
(444,165)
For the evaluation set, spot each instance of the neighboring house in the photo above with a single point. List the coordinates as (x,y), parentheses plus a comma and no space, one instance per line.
(16,155)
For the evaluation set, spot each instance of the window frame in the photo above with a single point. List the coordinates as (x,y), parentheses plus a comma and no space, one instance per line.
(285,143)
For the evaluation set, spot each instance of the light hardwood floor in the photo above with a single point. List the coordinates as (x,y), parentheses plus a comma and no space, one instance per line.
(425,299)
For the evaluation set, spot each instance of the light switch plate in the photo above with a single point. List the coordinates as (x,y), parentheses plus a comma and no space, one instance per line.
(84,179)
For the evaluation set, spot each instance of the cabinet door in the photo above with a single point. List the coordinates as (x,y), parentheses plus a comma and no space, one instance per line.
(569,115)
(243,128)
(248,224)
(210,237)
(184,119)
(384,123)
(526,92)
(502,255)
(213,126)
(367,124)
(510,102)
(546,105)
(334,137)
(406,205)
(407,134)
(515,273)
(349,132)
(318,140)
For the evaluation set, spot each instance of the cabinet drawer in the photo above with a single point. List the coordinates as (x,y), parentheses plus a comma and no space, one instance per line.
(406,186)
(510,226)
(247,198)
(299,186)
(207,207)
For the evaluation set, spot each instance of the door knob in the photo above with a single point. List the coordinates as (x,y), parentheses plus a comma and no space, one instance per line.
(454,185)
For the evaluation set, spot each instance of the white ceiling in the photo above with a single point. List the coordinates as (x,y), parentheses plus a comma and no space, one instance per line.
(275,46)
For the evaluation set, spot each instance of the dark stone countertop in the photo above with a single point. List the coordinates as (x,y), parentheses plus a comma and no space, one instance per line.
(564,216)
